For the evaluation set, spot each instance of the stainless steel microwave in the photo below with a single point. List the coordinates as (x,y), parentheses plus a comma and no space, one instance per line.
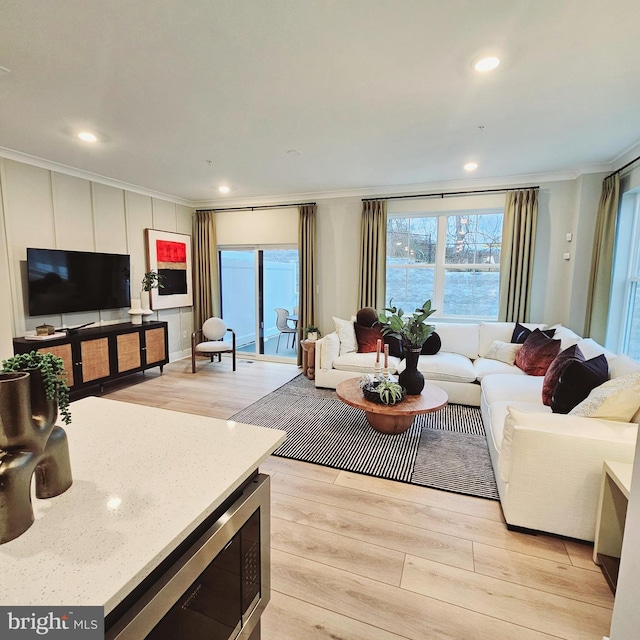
(217,588)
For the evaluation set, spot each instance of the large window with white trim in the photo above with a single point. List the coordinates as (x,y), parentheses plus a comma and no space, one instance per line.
(451,257)
(631,317)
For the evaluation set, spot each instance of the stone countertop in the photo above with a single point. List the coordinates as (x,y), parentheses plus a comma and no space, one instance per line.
(143,480)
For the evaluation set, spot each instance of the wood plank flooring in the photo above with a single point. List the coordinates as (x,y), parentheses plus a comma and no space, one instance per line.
(359,558)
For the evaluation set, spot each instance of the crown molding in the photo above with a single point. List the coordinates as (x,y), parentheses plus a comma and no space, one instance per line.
(626,156)
(402,189)
(357,193)
(25,158)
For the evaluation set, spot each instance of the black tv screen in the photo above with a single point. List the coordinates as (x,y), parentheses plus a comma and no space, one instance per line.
(67,281)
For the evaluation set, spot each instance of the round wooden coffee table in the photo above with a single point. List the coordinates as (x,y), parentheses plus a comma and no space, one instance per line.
(395,418)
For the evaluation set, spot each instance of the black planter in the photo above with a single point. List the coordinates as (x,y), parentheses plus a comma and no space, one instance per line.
(411,379)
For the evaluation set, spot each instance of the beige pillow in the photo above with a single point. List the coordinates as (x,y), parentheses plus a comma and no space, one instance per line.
(503,351)
(617,399)
(347,334)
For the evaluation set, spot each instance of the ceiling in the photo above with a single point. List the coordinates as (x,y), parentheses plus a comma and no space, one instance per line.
(291,97)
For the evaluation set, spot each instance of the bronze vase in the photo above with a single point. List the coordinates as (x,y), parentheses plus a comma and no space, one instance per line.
(29,442)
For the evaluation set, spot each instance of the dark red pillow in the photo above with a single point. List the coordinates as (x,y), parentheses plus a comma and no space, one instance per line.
(537,353)
(562,361)
(368,337)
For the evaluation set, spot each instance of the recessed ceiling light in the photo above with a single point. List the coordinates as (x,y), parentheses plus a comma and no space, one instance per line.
(487,63)
(471,166)
(87,136)
(224,189)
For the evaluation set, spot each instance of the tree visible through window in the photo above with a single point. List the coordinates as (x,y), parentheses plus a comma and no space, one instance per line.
(452,259)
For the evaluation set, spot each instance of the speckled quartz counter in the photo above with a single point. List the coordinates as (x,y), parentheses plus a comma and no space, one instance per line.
(143,480)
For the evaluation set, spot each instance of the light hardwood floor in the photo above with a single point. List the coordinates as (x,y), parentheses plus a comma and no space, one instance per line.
(359,558)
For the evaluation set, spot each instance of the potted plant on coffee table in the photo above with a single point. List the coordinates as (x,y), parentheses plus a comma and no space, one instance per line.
(413,332)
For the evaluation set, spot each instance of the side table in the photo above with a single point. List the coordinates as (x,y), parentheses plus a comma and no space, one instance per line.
(309,358)
(612,513)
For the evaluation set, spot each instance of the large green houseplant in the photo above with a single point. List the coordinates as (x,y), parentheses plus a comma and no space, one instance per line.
(54,377)
(413,331)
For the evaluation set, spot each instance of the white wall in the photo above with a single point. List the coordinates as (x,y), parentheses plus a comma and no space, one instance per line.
(43,208)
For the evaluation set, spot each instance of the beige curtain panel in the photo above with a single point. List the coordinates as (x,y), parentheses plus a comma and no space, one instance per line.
(307,258)
(373,255)
(516,261)
(206,297)
(599,292)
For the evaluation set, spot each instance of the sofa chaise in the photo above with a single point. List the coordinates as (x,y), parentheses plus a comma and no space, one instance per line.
(548,466)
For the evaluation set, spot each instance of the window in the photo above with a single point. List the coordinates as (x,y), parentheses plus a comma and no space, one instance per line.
(631,325)
(452,258)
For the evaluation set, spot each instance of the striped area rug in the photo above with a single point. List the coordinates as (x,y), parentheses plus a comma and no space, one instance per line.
(445,450)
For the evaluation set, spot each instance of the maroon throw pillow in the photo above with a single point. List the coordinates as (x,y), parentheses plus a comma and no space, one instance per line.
(562,361)
(368,337)
(537,353)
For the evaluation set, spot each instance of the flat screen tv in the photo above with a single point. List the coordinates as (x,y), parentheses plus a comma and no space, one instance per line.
(68,281)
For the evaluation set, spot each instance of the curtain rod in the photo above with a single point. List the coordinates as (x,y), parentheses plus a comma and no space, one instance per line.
(450,193)
(264,206)
(621,169)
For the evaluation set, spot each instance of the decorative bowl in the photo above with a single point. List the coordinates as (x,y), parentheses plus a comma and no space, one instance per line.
(370,393)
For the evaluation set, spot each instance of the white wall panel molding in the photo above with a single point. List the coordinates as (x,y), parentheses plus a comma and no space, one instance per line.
(87,175)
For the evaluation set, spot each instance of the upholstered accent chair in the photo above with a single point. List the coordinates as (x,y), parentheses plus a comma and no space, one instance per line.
(208,341)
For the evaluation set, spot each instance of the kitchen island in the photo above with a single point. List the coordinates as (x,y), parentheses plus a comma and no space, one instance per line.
(144,480)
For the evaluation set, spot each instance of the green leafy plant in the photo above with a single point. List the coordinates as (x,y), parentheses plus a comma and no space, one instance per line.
(389,392)
(411,330)
(53,375)
(152,280)
(311,329)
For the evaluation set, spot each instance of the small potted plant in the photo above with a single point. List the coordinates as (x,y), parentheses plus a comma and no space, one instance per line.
(151,280)
(54,377)
(383,391)
(311,333)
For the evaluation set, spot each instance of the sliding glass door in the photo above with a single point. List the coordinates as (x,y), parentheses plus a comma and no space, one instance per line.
(255,282)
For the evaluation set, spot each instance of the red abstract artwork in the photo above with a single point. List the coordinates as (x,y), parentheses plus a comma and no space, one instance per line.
(173,252)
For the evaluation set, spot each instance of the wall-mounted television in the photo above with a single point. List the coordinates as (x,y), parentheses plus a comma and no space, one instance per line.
(69,281)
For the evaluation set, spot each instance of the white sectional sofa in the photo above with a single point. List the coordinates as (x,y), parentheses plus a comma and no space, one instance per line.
(548,466)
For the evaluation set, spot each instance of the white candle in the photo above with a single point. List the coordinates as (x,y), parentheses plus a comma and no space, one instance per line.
(386,356)
(378,350)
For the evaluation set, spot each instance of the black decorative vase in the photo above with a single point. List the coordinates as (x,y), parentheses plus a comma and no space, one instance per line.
(30,443)
(411,379)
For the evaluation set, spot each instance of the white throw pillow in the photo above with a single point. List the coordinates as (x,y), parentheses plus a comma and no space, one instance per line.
(623,365)
(330,350)
(503,351)
(617,399)
(347,334)
(591,349)
(566,336)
